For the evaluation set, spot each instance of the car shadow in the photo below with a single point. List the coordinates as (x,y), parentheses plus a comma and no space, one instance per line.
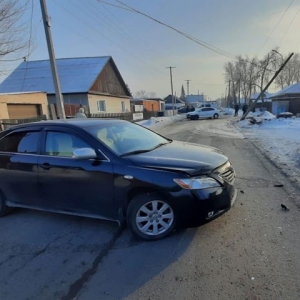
(94,257)
(132,263)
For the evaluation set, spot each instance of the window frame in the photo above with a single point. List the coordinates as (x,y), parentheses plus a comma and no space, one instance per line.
(26,130)
(100,154)
(98,105)
(123,109)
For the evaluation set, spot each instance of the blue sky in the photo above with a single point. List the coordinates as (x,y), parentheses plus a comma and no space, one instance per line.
(142,48)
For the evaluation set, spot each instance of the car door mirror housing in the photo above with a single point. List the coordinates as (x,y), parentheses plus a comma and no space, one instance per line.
(84,153)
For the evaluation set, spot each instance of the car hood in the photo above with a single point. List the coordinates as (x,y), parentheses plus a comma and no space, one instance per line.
(193,159)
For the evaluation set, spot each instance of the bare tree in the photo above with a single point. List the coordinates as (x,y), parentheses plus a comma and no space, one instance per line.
(144,94)
(247,75)
(151,95)
(13,41)
(291,72)
(264,69)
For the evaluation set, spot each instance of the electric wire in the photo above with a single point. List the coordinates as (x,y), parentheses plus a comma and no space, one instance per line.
(105,37)
(289,26)
(276,25)
(196,40)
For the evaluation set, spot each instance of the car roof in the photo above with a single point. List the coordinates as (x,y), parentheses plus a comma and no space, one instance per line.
(82,123)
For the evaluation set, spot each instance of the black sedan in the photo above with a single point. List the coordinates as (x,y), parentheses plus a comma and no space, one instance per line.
(114,170)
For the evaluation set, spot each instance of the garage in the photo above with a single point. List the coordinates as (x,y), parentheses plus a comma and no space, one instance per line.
(23,111)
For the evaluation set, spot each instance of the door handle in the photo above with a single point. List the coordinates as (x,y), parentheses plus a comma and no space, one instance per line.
(46,166)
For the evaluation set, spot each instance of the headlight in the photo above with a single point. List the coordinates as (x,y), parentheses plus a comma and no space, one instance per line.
(197,183)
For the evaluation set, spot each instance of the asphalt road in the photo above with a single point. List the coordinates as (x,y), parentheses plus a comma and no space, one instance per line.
(252,252)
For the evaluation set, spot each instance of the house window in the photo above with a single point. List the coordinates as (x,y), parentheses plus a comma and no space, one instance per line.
(123,108)
(101,105)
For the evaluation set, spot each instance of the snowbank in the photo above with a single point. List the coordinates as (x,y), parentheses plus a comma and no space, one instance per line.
(160,122)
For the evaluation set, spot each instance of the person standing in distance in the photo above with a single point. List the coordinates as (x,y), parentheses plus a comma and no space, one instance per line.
(80,113)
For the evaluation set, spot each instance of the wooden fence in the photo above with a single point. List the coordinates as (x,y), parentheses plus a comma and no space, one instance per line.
(7,123)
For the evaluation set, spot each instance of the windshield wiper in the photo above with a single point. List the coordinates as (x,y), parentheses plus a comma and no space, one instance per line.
(160,144)
(135,152)
(144,150)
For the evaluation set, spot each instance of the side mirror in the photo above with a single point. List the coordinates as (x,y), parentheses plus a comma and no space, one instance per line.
(84,153)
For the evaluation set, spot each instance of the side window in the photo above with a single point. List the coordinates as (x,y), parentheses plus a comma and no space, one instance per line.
(63,144)
(21,142)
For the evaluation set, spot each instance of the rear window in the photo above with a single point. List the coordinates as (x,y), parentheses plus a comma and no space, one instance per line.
(20,142)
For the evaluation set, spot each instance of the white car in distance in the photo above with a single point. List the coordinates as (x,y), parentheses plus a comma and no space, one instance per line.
(203,112)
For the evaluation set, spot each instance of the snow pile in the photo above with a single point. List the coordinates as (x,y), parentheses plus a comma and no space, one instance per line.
(267,116)
(254,114)
(160,122)
(280,140)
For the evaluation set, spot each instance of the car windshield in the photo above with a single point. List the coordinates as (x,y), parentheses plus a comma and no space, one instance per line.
(125,138)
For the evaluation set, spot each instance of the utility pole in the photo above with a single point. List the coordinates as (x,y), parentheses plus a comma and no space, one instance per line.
(228,93)
(188,86)
(239,92)
(59,97)
(171,86)
(266,87)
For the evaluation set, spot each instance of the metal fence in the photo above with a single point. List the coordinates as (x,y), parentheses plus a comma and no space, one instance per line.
(7,123)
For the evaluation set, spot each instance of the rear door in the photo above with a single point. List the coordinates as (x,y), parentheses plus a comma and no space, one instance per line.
(18,166)
(202,113)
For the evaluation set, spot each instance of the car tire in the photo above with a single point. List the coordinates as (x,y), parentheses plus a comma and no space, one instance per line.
(196,117)
(216,116)
(4,209)
(150,216)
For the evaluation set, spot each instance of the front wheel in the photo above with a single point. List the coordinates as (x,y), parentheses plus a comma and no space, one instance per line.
(216,116)
(150,217)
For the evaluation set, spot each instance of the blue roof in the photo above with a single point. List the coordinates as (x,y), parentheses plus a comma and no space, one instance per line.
(76,75)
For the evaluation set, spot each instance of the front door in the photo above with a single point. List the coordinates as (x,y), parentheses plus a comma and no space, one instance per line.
(73,185)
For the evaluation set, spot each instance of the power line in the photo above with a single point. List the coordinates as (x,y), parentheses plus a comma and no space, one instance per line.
(276,25)
(100,33)
(196,40)
(114,25)
(202,43)
(289,26)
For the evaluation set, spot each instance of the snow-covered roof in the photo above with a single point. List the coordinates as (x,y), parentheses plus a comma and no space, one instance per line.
(267,95)
(291,89)
(76,75)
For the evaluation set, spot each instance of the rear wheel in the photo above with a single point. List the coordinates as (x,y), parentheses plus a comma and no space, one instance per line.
(216,116)
(150,216)
(4,209)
